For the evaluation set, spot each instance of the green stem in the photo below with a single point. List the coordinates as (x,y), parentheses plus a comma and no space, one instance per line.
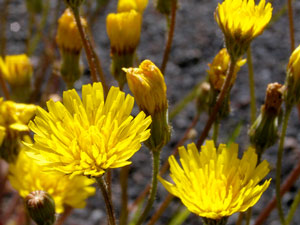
(86,45)
(109,207)
(124,186)
(279,162)
(248,216)
(156,155)
(293,209)
(225,89)
(216,130)
(251,85)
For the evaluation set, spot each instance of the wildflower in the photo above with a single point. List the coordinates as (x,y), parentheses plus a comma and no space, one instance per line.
(241,21)
(14,118)
(17,71)
(41,207)
(69,42)
(87,137)
(149,89)
(218,69)
(292,83)
(264,131)
(68,37)
(128,5)
(124,30)
(27,175)
(215,183)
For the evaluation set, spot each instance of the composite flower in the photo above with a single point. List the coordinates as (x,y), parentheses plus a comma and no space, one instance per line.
(27,175)
(128,5)
(215,183)
(88,136)
(241,21)
(218,69)
(16,69)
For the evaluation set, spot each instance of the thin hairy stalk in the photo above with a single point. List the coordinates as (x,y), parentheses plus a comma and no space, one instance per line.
(98,63)
(170,37)
(293,209)
(163,206)
(240,219)
(216,131)
(279,162)
(124,199)
(251,85)
(156,155)
(4,87)
(109,207)
(3,22)
(291,24)
(292,178)
(86,44)
(166,164)
(225,89)
(62,218)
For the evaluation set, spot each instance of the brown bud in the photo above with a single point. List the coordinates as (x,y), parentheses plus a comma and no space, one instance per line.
(273,98)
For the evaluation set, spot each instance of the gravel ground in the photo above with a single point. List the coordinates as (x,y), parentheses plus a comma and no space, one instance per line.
(197,39)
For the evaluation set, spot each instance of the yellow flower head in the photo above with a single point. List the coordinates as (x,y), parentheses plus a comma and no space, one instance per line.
(294,64)
(68,37)
(241,21)
(124,30)
(26,175)
(128,5)
(148,87)
(218,69)
(215,183)
(90,135)
(16,69)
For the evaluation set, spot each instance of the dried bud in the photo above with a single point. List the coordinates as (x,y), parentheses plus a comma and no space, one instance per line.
(264,131)
(41,207)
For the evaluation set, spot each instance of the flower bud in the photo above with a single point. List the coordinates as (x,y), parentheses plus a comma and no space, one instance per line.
(218,69)
(264,131)
(292,83)
(40,207)
(69,42)
(149,89)
(128,5)
(202,97)
(17,71)
(124,30)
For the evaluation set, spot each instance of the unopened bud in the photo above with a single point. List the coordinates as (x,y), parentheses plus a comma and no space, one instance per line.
(41,207)
(202,98)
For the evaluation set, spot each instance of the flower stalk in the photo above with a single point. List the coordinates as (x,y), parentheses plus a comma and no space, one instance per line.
(215,110)
(156,160)
(108,203)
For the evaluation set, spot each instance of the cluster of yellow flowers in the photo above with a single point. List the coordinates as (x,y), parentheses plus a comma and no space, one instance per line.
(78,140)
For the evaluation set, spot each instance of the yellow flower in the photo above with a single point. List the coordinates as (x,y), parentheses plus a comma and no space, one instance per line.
(148,87)
(241,21)
(124,30)
(218,69)
(292,82)
(89,136)
(16,69)
(68,37)
(26,175)
(128,5)
(294,64)
(14,118)
(215,183)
